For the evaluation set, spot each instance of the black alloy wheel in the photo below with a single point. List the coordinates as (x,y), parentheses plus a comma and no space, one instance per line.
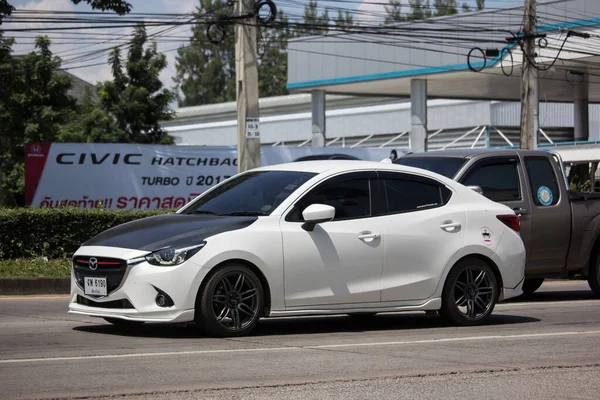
(470,293)
(231,303)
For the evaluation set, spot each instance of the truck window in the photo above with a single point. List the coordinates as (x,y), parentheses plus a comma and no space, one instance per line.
(499,182)
(447,166)
(542,179)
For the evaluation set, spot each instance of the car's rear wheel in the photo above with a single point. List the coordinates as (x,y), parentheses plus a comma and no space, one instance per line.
(231,302)
(470,293)
(594,274)
(531,285)
(123,322)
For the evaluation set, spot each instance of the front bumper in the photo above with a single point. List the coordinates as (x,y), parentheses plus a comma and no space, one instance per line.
(135,298)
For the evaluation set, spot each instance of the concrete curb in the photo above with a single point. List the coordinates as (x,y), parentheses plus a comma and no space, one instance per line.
(40,285)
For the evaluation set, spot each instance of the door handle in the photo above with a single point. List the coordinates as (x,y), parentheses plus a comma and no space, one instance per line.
(367,237)
(520,210)
(450,226)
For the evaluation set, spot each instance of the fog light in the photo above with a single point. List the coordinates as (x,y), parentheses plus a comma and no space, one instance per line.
(163,299)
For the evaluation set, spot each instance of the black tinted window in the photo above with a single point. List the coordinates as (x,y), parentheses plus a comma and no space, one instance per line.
(500,182)
(351,199)
(408,195)
(447,166)
(544,187)
(251,193)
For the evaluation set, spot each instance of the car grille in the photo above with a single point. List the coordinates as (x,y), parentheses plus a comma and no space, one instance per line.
(123,303)
(112,268)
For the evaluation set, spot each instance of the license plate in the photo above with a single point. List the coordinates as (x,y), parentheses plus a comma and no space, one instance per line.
(95,286)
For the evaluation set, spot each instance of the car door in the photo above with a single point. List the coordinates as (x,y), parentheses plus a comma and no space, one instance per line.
(340,261)
(500,179)
(550,218)
(423,231)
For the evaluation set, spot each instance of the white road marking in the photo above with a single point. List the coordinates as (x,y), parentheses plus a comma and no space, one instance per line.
(297,348)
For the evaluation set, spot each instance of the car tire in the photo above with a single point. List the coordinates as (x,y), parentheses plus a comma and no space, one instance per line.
(594,274)
(231,302)
(470,293)
(531,285)
(123,322)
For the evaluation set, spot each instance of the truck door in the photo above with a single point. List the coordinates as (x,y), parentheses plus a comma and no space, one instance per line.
(550,217)
(500,180)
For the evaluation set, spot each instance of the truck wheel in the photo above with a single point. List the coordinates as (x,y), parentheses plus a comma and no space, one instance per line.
(531,285)
(470,293)
(594,275)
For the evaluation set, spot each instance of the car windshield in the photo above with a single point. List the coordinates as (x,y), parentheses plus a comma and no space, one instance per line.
(447,166)
(249,194)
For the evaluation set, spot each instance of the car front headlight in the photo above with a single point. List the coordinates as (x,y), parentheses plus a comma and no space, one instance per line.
(169,257)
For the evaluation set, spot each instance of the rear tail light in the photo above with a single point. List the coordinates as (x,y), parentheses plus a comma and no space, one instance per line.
(511,220)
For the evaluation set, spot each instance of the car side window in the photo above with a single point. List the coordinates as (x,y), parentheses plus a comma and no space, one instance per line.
(351,199)
(406,195)
(542,180)
(499,181)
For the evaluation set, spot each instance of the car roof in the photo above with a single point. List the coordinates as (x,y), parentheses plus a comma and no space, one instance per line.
(470,153)
(332,167)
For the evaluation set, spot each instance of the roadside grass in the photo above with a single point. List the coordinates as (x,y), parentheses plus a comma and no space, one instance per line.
(34,268)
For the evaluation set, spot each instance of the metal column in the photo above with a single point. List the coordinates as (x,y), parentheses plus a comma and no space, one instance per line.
(581,117)
(417,140)
(318,118)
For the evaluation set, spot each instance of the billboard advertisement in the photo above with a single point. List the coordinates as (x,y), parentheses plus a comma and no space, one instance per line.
(132,176)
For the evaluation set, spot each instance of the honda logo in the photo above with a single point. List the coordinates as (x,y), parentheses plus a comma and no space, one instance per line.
(36,148)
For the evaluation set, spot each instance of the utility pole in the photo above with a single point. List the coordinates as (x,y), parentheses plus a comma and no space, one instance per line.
(529,81)
(246,77)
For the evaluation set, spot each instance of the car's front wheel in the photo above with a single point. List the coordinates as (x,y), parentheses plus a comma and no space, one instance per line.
(470,293)
(530,285)
(231,302)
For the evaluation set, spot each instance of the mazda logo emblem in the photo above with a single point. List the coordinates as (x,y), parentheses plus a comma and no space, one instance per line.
(93,263)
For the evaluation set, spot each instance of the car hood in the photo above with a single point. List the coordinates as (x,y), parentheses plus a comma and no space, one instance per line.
(171,230)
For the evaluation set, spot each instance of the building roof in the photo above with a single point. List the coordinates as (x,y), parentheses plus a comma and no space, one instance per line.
(437,49)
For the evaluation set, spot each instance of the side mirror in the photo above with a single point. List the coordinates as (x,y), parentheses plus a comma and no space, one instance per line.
(477,189)
(315,214)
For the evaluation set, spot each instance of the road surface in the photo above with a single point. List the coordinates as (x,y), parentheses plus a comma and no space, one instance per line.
(543,347)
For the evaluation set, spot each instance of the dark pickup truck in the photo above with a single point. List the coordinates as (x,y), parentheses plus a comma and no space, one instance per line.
(560,228)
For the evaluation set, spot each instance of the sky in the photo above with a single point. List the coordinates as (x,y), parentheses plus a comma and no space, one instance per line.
(70,49)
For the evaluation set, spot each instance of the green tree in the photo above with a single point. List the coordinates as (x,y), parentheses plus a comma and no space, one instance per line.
(465,7)
(90,124)
(419,10)
(445,7)
(206,71)
(480,4)
(394,12)
(119,6)
(344,20)
(34,105)
(314,23)
(135,97)
(272,65)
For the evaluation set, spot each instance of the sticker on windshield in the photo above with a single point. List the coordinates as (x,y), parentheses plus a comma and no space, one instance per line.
(544,195)
(487,235)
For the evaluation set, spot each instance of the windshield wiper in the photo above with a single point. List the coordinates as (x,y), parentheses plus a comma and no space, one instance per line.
(244,213)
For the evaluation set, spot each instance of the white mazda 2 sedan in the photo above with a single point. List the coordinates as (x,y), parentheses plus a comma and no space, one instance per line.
(321,237)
